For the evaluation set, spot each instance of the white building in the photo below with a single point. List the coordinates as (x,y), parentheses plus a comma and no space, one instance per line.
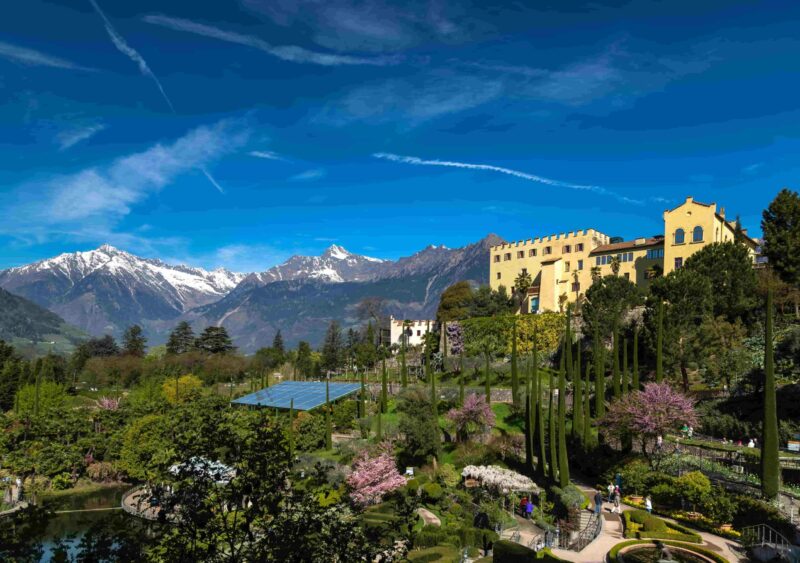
(415,330)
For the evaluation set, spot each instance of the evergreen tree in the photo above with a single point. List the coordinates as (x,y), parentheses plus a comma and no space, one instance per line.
(332,348)
(599,377)
(379,429)
(781,227)
(215,340)
(362,401)
(528,419)
(587,409)
(660,343)
(538,429)
(615,386)
(384,382)
(181,339)
(277,344)
(328,425)
(577,397)
(635,375)
(563,460)
(304,364)
(770,462)
(9,383)
(514,374)
(552,420)
(134,342)
(624,382)
(403,346)
(291,430)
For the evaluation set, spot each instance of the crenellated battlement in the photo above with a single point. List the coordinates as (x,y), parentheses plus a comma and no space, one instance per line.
(602,239)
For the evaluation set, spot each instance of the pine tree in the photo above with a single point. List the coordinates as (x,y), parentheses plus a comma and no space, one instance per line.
(328,425)
(563,460)
(332,348)
(660,343)
(635,374)
(362,397)
(277,345)
(599,377)
(134,342)
(770,463)
(551,429)
(181,339)
(215,340)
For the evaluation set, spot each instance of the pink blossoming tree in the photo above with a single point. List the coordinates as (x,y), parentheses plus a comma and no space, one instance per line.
(108,403)
(473,418)
(649,413)
(374,477)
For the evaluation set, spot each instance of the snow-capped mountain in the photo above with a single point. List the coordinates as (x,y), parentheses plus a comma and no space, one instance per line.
(334,265)
(106,289)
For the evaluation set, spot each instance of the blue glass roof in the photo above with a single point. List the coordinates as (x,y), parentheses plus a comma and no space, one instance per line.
(307,395)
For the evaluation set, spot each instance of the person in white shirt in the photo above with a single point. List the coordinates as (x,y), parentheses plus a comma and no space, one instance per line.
(648,504)
(751,444)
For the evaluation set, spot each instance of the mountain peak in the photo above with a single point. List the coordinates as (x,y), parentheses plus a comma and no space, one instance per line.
(108,249)
(336,251)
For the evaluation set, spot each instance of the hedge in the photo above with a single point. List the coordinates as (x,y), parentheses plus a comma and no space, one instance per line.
(640,524)
(505,551)
(612,555)
(441,553)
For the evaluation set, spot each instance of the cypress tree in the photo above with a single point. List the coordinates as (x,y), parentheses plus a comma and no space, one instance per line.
(770,463)
(528,420)
(362,401)
(563,460)
(514,374)
(403,367)
(660,343)
(599,377)
(615,365)
(291,430)
(577,396)
(624,366)
(384,384)
(538,431)
(461,388)
(487,385)
(635,374)
(328,426)
(379,430)
(434,398)
(551,429)
(587,410)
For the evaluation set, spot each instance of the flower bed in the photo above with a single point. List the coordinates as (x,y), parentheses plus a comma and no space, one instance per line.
(639,524)
(613,555)
(701,523)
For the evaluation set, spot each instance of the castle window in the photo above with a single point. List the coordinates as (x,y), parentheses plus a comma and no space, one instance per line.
(547,250)
(566,266)
(496,257)
(580,264)
(697,234)
(678,263)
(679,236)
(507,256)
(655,253)
(532,252)
(567,248)
(498,275)
(579,247)
(627,275)
(520,254)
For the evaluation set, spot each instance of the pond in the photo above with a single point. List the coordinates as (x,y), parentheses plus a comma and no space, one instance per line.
(102,520)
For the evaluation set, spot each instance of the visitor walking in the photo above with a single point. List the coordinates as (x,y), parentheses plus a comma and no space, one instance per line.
(659,442)
(598,502)
(616,495)
(523,504)
(751,443)
(610,489)
(529,510)
(690,432)
(648,504)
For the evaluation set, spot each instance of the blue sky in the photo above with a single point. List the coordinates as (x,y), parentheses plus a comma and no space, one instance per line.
(237,133)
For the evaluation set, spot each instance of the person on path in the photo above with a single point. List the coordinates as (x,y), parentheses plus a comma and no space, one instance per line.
(690,432)
(751,443)
(659,442)
(616,502)
(522,505)
(610,489)
(598,502)
(529,510)
(648,504)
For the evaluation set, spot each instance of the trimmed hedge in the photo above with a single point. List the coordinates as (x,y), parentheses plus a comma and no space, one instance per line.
(505,551)
(640,524)
(441,553)
(612,556)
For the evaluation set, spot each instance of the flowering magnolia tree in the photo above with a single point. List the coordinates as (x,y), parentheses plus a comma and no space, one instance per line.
(649,413)
(374,477)
(108,403)
(499,479)
(473,418)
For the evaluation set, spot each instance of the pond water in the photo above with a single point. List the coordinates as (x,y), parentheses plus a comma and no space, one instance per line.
(65,531)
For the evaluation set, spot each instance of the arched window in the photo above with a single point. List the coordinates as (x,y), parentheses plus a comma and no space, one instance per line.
(697,234)
(679,236)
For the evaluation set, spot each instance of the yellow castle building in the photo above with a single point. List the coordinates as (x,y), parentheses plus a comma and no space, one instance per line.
(562,266)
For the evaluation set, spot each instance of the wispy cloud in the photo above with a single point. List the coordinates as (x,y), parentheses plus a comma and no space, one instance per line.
(508,171)
(36,58)
(412,101)
(308,175)
(211,179)
(131,53)
(753,169)
(289,53)
(268,155)
(72,137)
(94,200)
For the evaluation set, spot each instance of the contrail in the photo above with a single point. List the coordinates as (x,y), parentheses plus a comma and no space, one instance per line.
(212,180)
(131,53)
(509,171)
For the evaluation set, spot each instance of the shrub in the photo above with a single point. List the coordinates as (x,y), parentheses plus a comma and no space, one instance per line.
(693,486)
(61,482)
(101,471)
(476,537)
(309,431)
(509,552)
(432,492)
(344,415)
(448,475)
(750,512)
(441,553)
(432,536)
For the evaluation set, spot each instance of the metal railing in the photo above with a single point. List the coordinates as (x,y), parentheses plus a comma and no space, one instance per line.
(586,536)
(766,536)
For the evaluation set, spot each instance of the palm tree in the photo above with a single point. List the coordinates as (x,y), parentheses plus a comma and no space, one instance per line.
(615,265)
(522,284)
